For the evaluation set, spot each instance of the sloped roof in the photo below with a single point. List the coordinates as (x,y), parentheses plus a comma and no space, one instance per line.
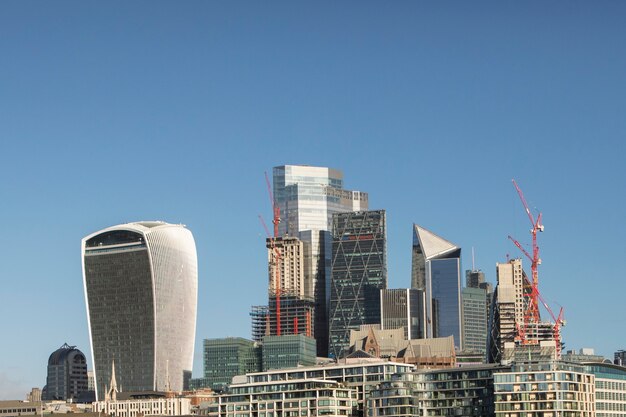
(431,244)
(435,347)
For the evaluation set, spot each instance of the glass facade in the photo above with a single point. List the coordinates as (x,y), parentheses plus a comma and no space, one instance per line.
(437,271)
(307,197)
(403,308)
(225,358)
(289,351)
(359,272)
(474,319)
(141,294)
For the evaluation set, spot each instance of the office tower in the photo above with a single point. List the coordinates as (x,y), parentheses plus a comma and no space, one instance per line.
(224,358)
(141,287)
(260,322)
(67,374)
(403,307)
(290,351)
(437,271)
(359,272)
(307,197)
(474,319)
(620,358)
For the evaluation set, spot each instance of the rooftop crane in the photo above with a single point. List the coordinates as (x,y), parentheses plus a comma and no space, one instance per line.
(532,311)
(277,256)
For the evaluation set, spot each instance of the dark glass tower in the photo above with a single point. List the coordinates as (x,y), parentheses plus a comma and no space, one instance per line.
(67,374)
(359,272)
(437,271)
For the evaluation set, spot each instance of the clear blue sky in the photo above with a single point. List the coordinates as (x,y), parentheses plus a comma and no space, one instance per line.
(172,111)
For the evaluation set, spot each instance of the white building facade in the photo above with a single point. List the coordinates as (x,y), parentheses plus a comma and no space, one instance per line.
(141,285)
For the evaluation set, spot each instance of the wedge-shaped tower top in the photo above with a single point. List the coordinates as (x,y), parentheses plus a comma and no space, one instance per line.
(433,246)
(437,271)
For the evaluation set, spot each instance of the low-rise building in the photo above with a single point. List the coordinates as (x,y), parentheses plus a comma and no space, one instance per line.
(443,392)
(293,398)
(545,389)
(610,388)
(144,405)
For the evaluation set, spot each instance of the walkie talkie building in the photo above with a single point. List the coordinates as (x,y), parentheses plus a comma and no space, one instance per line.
(141,290)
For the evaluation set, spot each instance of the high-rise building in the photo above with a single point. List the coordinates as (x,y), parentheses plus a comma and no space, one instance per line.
(67,374)
(620,358)
(307,197)
(507,311)
(437,271)
(359,272)
(474,319)
(403,307)
(296,316)
(287,289)
(141,287)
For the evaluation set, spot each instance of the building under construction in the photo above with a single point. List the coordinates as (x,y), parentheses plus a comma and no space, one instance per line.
(514,315)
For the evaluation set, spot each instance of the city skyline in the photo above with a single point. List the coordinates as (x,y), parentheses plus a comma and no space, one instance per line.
(431,111)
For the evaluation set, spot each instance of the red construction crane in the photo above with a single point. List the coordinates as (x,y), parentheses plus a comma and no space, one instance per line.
(275,222)
(531,315)
(276,268)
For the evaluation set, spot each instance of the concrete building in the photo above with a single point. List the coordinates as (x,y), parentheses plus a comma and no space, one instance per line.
(474,319)
(403,308)
(307,197)
(13,408)
(285,259)
(359,272)
(507,311)
(582,355)
(141,285)
(34,395)
(544,389)
(67,374)
(144,405)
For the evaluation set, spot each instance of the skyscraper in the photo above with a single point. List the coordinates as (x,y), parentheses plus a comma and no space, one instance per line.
(141,287)
(507,310)
(403,307)
(307,197)
(67,374)
(359,272)
(287,288)
(476,299)
(474,319)
(437,270)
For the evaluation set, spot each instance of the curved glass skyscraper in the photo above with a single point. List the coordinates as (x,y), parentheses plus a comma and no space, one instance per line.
(141,291)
